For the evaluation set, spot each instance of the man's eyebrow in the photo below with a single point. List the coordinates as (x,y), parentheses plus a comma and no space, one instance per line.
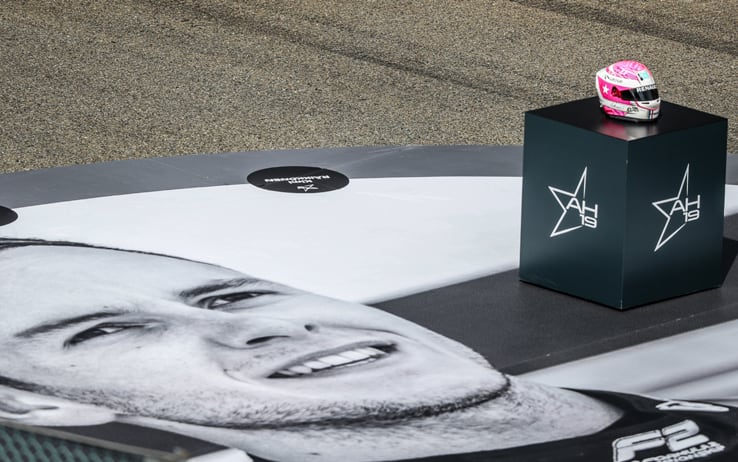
(66,322)
(218,285)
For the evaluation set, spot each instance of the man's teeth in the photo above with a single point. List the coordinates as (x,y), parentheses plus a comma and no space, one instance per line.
(343,359)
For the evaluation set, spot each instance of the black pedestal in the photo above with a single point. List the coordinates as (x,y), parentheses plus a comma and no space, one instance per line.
(622,213)
(7,216)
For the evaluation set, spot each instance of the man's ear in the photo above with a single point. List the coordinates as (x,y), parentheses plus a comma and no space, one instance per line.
(35,409)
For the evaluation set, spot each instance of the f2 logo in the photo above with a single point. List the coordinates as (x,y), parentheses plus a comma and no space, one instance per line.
(676,437)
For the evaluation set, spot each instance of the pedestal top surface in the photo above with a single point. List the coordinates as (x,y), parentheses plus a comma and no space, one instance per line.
(586,114)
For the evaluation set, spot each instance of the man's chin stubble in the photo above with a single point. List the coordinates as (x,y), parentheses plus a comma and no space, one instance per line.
(376,414)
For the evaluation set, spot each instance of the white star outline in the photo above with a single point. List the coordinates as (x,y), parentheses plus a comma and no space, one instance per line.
(581,187)
(681,196)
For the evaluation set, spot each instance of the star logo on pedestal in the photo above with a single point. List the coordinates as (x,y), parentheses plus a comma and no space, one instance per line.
(677,211)
(574,211)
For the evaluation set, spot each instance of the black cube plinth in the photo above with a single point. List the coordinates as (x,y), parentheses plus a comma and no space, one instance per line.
(622,213)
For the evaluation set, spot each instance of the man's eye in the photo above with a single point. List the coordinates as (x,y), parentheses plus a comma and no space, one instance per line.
(218,301)
(98,331)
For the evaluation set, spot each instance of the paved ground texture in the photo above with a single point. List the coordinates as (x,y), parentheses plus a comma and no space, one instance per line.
(87,81)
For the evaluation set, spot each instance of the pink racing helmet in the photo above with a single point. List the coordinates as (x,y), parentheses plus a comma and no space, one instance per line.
(627,90)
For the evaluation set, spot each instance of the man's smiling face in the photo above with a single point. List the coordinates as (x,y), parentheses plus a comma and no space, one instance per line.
(191,342)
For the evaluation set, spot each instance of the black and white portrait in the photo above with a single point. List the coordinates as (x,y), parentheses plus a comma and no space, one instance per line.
(159,335)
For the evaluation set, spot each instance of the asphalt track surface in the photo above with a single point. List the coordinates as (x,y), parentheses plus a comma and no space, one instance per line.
(88,81)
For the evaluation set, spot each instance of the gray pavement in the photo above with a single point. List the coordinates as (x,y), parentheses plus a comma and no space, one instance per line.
(88,81)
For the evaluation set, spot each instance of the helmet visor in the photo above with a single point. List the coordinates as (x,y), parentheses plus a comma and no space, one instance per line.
(647,93)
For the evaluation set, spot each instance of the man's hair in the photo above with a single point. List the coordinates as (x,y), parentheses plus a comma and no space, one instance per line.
(9,242)
(12,243)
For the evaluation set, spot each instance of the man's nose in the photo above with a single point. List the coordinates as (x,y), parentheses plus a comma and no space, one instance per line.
(256,331)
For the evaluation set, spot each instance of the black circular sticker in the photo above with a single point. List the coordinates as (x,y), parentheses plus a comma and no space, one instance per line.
(298,179)
(7,216)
